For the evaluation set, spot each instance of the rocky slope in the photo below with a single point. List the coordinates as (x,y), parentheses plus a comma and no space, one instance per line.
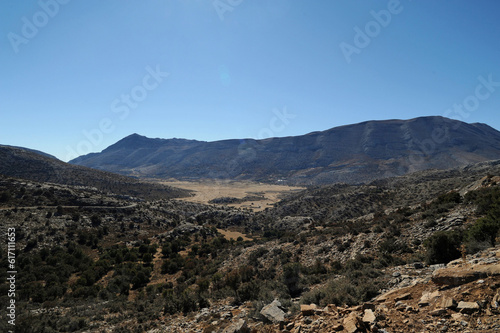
(462,296)
(354,153)
(92,261)
(32,165)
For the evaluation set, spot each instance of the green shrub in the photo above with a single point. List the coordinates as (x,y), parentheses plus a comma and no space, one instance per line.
(484,230)
(443,246)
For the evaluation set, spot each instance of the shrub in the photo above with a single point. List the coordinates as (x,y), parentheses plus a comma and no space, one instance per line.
(291,278)
(443,246)
(484,230)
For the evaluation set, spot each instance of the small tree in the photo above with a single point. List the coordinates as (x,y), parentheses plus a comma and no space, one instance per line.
(443,247)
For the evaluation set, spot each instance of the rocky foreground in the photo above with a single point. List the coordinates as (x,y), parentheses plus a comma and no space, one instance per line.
(462,296)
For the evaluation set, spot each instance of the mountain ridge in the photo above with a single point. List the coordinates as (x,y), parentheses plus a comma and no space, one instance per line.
(350,153)
(24,163)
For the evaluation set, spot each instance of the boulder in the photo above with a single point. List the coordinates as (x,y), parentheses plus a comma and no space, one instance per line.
(352,323)
(273,312)
(308,310)
(428,297)
(457,276)
(369,317)
(447,303)
(468,307)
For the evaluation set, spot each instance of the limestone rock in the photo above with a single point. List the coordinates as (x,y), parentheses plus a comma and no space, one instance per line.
(308,310)
(352,323)
(428,297)
(468,307)
(438,312)
(369,317)
(273,312)
(458,276)
(447,303)
(402,297)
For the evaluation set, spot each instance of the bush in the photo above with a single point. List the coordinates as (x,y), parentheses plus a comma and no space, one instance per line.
(291,279)
(443,247)
(343,291)
(484,230)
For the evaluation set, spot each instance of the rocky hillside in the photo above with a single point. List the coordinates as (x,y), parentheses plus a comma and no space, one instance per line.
(32,165)
(462,296)
(352,154)
(93,261)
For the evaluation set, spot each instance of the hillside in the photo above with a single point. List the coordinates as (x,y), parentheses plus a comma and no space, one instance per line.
(352,154)
(36,166)
(89,260)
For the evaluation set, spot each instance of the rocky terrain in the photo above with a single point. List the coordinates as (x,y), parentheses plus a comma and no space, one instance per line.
(462,296)
(375,257)
(351,154)
(36,166)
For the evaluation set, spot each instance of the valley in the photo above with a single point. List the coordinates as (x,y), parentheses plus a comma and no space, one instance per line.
(93,261)
(102,252)
(239,194)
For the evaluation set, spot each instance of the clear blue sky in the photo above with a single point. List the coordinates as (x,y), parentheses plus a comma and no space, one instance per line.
(237,68)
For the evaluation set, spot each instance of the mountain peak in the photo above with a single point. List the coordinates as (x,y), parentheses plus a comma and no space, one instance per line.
(352,153)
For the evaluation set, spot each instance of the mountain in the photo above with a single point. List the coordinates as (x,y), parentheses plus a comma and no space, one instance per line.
(37,166)
(353,153)
(31,150)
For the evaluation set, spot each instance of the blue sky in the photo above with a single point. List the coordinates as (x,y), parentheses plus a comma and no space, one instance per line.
(78,75)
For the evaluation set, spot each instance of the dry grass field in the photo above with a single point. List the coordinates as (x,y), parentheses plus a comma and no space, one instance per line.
(207,190)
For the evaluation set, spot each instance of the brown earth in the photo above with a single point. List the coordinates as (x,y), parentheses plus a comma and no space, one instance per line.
(204,191)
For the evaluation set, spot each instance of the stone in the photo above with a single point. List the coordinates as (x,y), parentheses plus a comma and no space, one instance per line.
(438,312)
(352,323)
(458,276)
(402,297)
(369,317)
(468,307)
(273,312)
(330,308)
(238,327)
(308,310)
(447,303)
(428,297)
(400,306)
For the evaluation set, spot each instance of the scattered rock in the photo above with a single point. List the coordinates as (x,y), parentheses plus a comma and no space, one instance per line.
(308,310)
(352,323)
(369,317)
(448,303)
(273,312)
(468,307)
(455,277)
(402,297)
(438,312)
(428,297)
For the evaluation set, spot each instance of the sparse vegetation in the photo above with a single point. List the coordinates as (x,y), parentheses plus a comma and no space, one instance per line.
(107,259)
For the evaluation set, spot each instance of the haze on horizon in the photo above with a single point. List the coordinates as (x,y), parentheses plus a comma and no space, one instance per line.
(79,76)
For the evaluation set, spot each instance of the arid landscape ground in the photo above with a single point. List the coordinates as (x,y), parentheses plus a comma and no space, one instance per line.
(253,195)
(414,253)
